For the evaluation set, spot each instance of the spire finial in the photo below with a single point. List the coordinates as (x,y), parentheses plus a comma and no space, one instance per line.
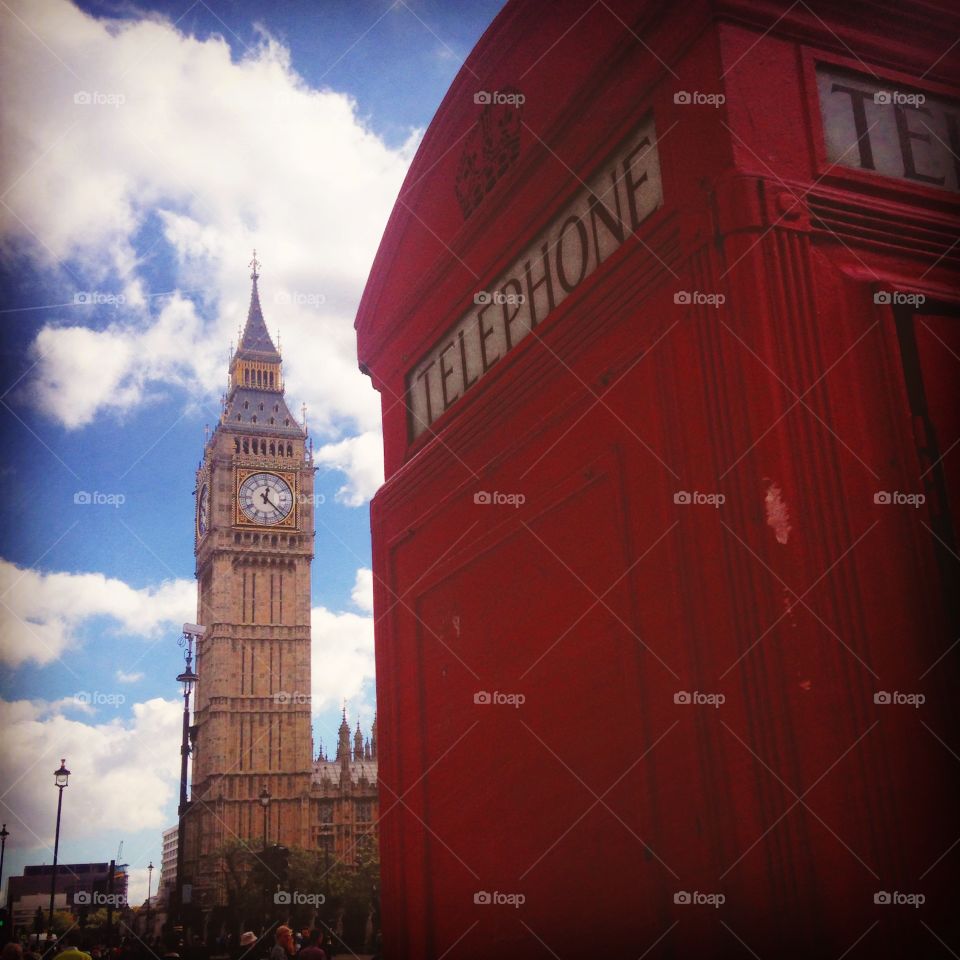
(254,266)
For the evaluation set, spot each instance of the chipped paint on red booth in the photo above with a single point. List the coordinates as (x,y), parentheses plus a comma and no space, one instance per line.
(663,324)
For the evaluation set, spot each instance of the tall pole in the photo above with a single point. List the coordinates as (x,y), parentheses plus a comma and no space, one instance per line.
(60,779)
(182,808)
(147,932)
(4,833)
(188,678)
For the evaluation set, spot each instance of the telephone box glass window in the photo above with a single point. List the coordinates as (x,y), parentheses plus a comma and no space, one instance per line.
(872,124)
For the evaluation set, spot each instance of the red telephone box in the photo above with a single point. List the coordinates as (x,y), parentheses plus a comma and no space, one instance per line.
(665,327)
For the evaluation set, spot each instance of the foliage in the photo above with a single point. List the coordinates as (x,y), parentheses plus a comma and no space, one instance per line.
(301,888)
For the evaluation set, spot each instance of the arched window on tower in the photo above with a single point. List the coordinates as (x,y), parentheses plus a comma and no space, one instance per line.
(289,449)
(246,377)
(236,444)
(246,445)
(253,419)
(273,449)
(263,447)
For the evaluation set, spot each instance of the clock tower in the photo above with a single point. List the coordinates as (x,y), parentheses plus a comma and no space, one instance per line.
(254,546)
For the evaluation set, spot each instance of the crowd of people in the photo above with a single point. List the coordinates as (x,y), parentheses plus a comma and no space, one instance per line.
(279,944)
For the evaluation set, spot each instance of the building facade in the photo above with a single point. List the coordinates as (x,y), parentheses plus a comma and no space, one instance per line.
(79,886)
(167,882)
(671,295)
(251,735)
(254,546)
(344,799)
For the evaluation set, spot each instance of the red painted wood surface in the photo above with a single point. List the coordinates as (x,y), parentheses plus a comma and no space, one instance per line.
(600,598)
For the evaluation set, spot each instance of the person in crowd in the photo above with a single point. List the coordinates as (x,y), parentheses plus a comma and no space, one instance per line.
(12,951)
(313,950)
(283,949)
(67,948)
(245,947)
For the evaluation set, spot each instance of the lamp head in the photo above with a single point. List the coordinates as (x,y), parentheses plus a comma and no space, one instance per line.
(61,776)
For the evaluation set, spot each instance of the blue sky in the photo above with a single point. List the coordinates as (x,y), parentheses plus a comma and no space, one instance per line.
(147,149)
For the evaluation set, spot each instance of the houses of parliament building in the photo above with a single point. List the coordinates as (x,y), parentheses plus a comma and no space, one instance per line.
(256,778)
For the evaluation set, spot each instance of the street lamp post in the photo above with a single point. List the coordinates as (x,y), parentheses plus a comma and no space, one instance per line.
(149,886)
(60,778)
(265,803)
(4,833)
(191,632)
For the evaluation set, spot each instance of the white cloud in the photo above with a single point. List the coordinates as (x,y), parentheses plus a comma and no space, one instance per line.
(124,677)
(224,155)
(361,459)
(342,662)
(120,782)
(41,612)
(362,593)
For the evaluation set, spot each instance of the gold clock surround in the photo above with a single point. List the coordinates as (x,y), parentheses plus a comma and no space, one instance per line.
(289,522)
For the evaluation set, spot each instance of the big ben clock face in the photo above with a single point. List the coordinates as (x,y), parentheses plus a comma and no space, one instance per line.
(203,510)
(265,498)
